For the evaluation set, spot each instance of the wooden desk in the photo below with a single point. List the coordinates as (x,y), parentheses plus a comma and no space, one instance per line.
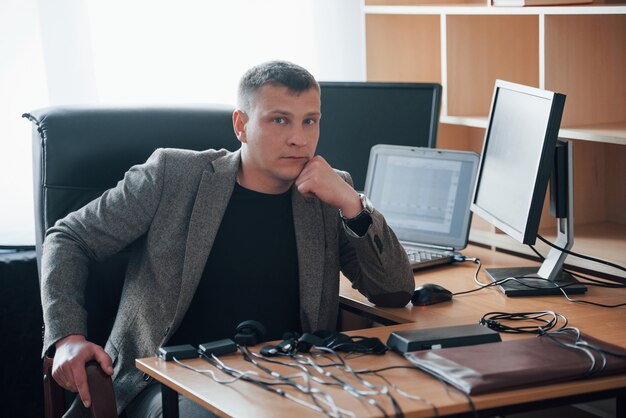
(243,399)
(603,323)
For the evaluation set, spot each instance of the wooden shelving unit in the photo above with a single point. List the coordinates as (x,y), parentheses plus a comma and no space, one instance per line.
(576,50)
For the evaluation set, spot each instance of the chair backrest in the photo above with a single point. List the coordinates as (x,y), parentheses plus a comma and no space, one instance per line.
(81,151)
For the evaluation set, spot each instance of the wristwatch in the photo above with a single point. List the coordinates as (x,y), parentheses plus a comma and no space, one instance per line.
(367,206)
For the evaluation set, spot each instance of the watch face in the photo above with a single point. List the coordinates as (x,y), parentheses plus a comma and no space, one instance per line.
(366,203)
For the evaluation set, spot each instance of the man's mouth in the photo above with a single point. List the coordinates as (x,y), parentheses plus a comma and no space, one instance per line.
(295,157)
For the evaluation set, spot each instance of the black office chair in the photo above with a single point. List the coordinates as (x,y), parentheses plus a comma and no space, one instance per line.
(78,153)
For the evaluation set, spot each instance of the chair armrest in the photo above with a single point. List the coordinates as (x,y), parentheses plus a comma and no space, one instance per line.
(103,404)
(53,393)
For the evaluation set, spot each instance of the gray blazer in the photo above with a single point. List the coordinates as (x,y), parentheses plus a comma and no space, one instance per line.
(174,203)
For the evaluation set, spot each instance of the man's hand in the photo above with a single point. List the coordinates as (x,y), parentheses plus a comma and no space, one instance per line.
(319,179)
(68,369)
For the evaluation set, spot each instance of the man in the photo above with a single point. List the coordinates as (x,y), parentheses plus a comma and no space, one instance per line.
(221,237)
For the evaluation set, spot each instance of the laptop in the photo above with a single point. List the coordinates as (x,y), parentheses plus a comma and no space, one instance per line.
(425,195)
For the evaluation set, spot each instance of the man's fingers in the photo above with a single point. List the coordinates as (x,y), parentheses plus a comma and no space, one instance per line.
(64,382)
(305,189)
(80,379)
(62,377)
(104,360)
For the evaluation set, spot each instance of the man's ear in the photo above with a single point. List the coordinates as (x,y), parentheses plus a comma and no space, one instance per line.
(240,118)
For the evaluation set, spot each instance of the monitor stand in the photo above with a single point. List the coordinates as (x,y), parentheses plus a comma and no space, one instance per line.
(540,287)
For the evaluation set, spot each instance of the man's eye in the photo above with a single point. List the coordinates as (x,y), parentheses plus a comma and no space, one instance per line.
(310,121)
(279,120)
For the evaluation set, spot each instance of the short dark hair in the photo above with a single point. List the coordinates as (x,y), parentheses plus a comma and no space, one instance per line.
(275,73)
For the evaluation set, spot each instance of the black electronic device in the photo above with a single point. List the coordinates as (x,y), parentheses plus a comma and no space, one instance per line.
(518,157)
(442,337)
(218,348)
(180,352)
(358,115)
(429,294)
(249,332)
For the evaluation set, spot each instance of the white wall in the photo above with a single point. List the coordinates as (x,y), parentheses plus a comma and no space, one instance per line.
(140,51)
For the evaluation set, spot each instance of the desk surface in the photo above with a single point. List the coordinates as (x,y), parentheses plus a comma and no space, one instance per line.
(604,323)
(243,399)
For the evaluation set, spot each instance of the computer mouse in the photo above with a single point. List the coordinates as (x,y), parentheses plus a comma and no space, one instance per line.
(430,293)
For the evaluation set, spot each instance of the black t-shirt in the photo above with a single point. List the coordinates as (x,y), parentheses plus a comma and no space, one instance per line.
(251,272)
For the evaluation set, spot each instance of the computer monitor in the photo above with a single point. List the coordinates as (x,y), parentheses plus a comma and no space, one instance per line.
(518,158)
(358,115)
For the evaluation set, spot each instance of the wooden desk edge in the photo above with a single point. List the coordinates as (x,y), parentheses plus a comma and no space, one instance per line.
(611,385)
(358,307)
(149,365)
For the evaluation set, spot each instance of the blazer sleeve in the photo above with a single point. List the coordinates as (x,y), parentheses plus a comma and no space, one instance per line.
(376,263)
(101,228)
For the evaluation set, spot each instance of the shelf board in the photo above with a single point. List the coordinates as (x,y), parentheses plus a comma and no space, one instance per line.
(605,240)
(471,121)
(480,9)
(612,133)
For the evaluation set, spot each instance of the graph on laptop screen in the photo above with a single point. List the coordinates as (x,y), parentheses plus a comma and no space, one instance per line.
(358,115)
(518,158)
(419,193)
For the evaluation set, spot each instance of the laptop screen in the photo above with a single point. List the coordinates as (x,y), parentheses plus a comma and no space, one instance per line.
(424,193)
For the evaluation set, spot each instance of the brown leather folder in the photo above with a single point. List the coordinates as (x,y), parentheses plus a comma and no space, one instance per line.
(527,362)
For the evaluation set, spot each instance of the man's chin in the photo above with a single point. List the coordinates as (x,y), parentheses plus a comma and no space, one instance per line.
(288,178)
(290,173)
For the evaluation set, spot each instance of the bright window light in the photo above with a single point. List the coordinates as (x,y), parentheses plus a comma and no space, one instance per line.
(150,52)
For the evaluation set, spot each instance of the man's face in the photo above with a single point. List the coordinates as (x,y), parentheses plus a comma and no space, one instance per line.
(279,134)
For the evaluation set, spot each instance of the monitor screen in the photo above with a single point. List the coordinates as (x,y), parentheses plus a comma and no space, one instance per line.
(358,115)
(517,158)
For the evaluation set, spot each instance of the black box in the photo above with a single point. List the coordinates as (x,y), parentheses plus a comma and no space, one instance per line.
(218,347)
(431,338)
(179,351)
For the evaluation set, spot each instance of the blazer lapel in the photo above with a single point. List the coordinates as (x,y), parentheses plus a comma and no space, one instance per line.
(214,192)
(308,222)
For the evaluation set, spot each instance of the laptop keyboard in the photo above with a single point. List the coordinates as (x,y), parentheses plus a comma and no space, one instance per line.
(423,255)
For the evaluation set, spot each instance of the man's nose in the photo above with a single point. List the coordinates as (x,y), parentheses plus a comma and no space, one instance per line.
(298,137)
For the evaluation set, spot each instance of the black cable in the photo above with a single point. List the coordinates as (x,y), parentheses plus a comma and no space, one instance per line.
(265,385)
(601,350)
(588,302)
(589,282)
(249,356)
(562,288)
(347,368)
(467,397)
(297,365)
(494,320)
(596,282)
(482,286)
(520,280)
(592,368)
(586,257)
(448,385)
(376,373)
(309,390)
(532,247)
(589,349)
(600,283)
(414,397)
